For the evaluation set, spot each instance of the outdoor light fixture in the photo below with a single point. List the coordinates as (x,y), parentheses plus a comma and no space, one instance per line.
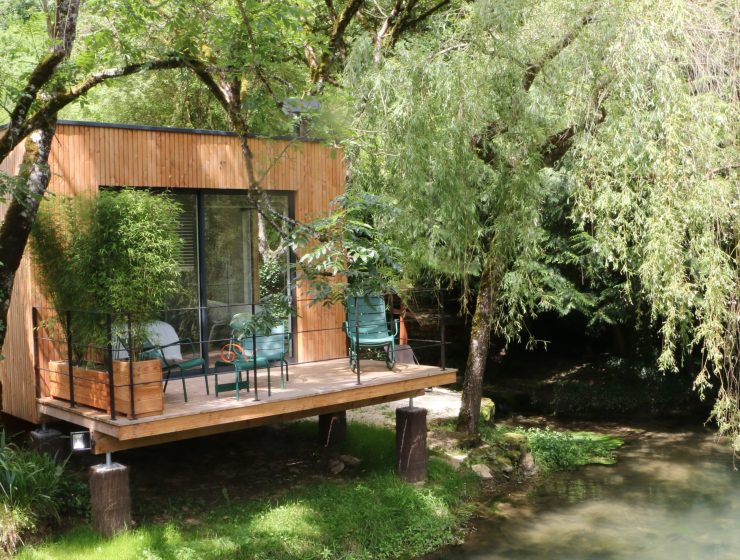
(81,441)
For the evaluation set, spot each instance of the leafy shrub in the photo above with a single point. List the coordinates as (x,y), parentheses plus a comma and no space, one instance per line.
(115,253)
(34,489)
(272,276)
(618,386)
(13,524)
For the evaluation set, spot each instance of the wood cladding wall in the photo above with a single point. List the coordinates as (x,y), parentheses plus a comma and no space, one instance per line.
(85,157)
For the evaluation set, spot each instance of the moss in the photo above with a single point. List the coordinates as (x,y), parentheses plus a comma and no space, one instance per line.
(487,410)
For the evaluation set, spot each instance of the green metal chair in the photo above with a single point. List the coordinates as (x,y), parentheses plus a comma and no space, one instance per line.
(271,348)
(367,326)
(164,344)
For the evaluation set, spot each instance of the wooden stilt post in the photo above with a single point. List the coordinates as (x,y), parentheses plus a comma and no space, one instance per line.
(332,428)
(411,443)
(110,497)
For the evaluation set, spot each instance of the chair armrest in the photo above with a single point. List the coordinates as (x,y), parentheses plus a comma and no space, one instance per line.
(189,342)
(395,328)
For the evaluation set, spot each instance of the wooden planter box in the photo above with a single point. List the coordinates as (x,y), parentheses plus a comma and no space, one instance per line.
(91,386)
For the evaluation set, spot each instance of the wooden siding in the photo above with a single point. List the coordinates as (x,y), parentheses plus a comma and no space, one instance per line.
(84,157)
(16,368)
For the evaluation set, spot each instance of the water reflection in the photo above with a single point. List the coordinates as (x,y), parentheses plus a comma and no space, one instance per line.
(670,496)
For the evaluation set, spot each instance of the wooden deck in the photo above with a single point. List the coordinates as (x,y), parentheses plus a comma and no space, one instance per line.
(314,388)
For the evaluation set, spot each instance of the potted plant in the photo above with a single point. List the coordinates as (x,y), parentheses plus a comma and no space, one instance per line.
(108,265)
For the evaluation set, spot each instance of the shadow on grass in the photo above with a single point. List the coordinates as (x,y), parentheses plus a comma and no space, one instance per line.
(366,514)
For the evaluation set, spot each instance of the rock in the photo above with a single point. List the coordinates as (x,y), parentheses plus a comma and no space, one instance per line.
(487,410)
(454,460)
(482,471)
(350,460)
(335,466)
(529,468)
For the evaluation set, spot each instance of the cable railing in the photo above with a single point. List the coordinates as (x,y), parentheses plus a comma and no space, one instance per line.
(118,362)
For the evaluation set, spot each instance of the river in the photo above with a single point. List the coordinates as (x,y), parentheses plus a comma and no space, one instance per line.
(672,495)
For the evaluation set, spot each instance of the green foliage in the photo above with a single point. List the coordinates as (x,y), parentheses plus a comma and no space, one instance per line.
(605,183)
(349,252)
(115,253)
(618,387)
(556,450)
(373,515)
(272,276)
(34,489)
(450,135)
(274,310)
(164,98)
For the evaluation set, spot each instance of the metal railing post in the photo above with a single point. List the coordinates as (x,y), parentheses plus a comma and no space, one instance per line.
(132,414)
(442,356)
(357,340)
(70,361)
(254,354)
(111,385)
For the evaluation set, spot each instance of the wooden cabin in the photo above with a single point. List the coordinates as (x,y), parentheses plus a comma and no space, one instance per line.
(204,171)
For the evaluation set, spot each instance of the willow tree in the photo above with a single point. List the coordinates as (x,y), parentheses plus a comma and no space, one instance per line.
(619,114)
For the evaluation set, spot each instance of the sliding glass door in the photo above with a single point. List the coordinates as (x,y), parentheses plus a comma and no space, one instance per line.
(229,239)
(230,257)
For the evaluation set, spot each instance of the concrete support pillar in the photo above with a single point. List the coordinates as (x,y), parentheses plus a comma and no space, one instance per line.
(50,442)
(411,443)
(110,498)
(333,428)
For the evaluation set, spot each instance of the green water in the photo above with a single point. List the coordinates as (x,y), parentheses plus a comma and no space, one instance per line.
(671,496)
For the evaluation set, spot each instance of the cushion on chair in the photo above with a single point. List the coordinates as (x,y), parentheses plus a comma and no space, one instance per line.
(164,335)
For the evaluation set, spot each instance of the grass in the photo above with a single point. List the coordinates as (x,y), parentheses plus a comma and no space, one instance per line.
(372,516)
(552,450)
(557,451)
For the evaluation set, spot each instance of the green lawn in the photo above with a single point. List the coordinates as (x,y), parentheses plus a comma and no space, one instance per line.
(374,516)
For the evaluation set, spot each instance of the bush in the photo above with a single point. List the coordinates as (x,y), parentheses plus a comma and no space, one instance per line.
(115,253)
(33,489)
(616,387)
(13,524)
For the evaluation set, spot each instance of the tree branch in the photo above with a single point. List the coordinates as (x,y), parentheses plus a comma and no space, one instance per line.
(57,102)
(36,80)
(407,24)
(388,23)
(259,70)
(558,144)
(334,45)
(534,68)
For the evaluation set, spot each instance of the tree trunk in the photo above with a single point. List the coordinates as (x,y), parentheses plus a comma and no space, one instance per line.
(21,214)
(480,338)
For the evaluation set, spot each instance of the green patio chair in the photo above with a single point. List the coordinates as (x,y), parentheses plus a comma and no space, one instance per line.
(367,326)
(163,343)
(271,348)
